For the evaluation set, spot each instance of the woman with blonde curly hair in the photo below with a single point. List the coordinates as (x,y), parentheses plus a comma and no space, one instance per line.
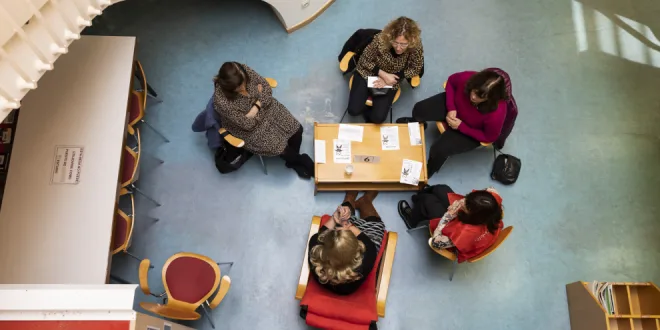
(343,252)
(395,53)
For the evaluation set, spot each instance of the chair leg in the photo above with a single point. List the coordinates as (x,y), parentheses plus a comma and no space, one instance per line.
(230,263)
(151,92)
(391,113)
(208,316)
(453,269)
(145,195)
(136,258)
(263,164)
(416,228)
(155,130)
(344,115)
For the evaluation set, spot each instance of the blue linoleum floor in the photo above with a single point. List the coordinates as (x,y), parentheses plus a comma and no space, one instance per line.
(585,76)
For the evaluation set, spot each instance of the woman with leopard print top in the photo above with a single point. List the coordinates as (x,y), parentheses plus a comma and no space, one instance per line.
(247,109)
(394,54)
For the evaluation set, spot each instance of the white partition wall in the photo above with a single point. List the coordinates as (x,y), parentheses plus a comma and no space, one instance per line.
(33,34)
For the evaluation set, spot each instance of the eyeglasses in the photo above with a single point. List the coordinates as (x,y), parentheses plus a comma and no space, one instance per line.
(398,44)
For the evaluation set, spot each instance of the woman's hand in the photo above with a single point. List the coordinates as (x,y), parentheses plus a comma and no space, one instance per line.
(379,83)
(341,215)
(389,78)
(453,122)
(260,88)
(451,114)
(253,112)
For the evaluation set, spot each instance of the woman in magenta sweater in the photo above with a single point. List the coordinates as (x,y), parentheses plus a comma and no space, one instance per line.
(473,108)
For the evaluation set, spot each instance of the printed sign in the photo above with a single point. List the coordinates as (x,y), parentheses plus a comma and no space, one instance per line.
(67,165)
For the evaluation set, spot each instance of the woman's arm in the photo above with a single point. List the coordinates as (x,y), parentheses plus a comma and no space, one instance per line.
(368,58)
(265,95)
(415,63)
(438,240)
(492,126)
(450,90)
(229,113)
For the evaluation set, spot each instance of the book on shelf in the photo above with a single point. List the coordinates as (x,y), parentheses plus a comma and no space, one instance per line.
(604,294)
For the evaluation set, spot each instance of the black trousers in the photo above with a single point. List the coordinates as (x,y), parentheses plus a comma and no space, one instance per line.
(291,154)
(440,204)
(358,96)
(451,142)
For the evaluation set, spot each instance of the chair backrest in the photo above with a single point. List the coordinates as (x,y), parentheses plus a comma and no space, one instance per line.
(139,71)
(131,158)
(500,239)
(123,229)
(190,279)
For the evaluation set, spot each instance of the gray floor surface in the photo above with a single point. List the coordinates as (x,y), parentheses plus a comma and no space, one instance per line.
(586,79)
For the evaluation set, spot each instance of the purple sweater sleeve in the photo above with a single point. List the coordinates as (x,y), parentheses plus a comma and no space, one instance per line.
(454,83)
(492,126)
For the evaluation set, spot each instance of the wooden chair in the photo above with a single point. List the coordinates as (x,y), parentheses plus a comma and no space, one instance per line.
(190,280)
(373,302)
(343,66)
(239,143)
(122,231)
(452,255)
(130,170)
(442,126)
(138,102)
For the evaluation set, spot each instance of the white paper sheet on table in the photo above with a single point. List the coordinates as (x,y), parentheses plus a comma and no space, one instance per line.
(341,151)
(389,137)
(371,80)
(410,172)
(350,132)
(319,151)
(415,134)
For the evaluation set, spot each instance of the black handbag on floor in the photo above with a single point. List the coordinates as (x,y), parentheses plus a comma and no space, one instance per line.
(506,168)
(229,158)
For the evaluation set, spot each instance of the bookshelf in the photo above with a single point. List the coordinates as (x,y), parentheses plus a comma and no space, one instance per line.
(636,306)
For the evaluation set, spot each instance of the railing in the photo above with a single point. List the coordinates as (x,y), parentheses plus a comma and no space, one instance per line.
(33,34)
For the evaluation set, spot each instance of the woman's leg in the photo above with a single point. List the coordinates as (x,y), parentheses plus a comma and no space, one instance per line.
(365,205)
(302,164)
(349,200)
(381,107)
(358,95)
(450,143)
(433,108)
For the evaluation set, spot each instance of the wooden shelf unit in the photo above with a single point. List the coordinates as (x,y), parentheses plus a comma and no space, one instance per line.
(637,307)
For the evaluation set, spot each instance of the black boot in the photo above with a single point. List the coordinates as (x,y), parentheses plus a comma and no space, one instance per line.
(308,164)
(405,120)
(300,170)
(406,213)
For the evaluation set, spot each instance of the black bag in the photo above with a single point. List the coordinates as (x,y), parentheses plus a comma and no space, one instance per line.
(506,168)
(229,158)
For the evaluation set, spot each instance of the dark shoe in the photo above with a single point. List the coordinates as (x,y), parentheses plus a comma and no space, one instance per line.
(406,213)
(307,163)
(301,171)
(405,120)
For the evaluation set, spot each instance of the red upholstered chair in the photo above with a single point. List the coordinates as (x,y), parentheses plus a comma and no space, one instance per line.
(358,311)
(190,280)
(139,101)
(130,168)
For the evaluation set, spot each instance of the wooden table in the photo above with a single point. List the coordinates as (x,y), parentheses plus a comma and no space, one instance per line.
(52,229)
(383,176)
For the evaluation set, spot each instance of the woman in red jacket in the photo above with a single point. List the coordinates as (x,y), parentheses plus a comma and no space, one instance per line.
(473,106)
(470,225)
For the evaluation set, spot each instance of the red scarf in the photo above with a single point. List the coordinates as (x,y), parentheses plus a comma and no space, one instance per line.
(470,240)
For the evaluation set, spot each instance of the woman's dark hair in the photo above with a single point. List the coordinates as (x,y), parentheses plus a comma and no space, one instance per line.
(482,209)
(490,86)
(229,78)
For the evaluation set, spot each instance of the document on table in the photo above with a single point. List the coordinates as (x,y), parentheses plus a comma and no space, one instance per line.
(415,134)
(319,151)
(410,172)
(341,151)
(371,80)
(389,137)
(350,132)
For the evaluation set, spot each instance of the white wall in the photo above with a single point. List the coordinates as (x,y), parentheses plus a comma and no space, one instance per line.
(292,13)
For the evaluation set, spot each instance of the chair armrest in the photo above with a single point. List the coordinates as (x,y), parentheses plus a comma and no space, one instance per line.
(304,270)
(222,292)
(385,272)
(444,85)
(271,82)
(143,273)
(415,81)
(485,144)
(236,142)
(343,65)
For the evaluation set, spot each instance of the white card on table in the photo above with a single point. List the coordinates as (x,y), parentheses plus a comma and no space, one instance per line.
(415,134)
(389,137)
(350,132)
(371,80)
(341,151)
(410,172)
(319,151)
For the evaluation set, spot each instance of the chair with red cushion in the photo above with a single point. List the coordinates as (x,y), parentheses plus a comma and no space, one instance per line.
(130,168)
(139,101)
(190,280)
(358,311)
